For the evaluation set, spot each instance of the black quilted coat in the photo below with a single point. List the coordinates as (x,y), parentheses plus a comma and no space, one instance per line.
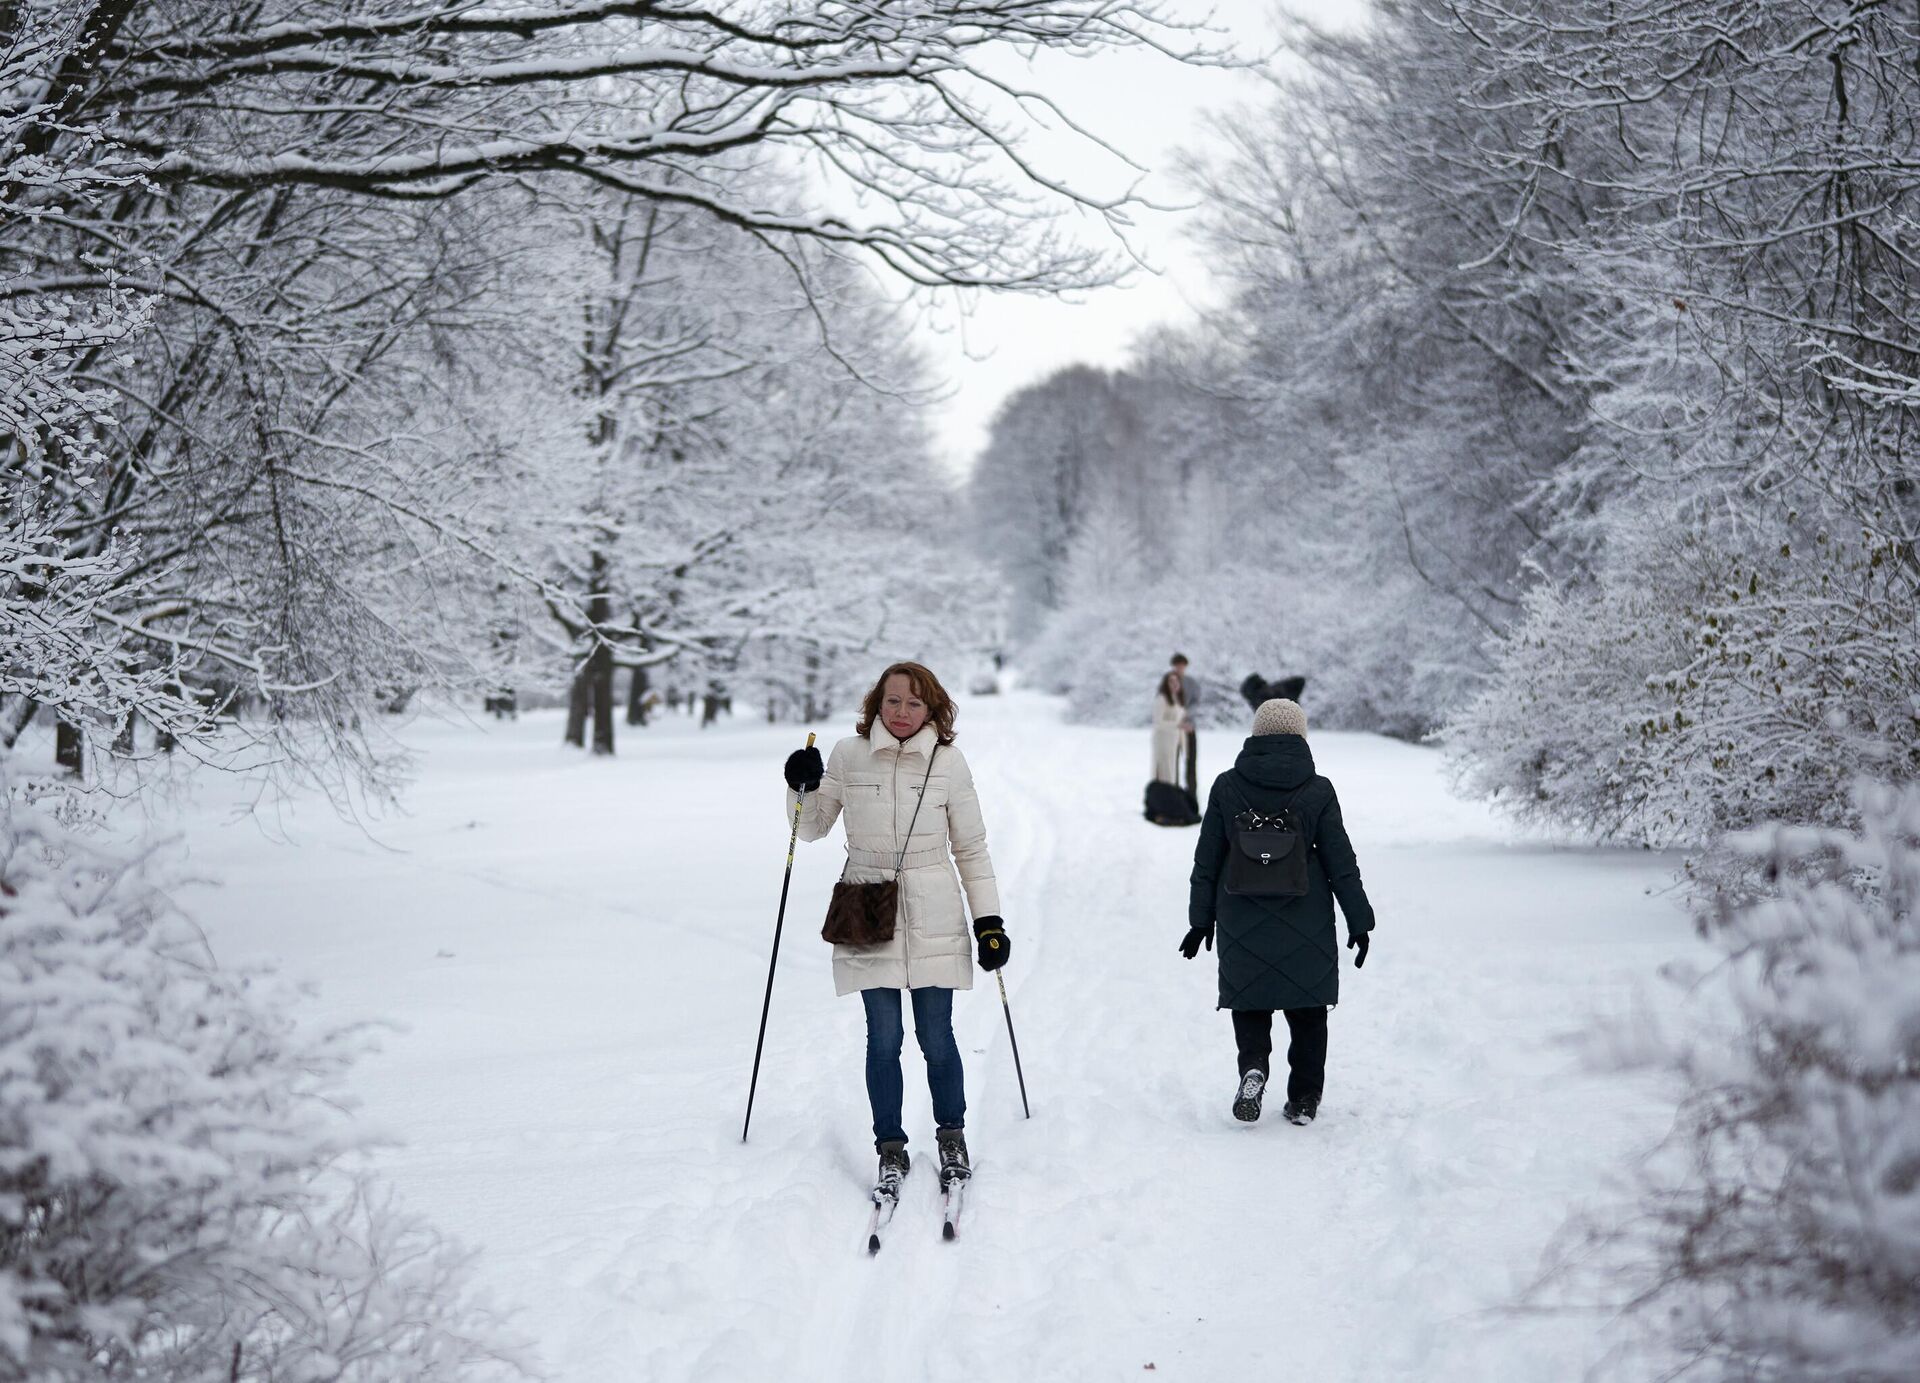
(1278,952)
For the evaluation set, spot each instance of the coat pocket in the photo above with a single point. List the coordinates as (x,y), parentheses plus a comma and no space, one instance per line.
(931,794)
(863,799)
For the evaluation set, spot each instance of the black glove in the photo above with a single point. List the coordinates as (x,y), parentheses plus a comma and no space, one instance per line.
(1358,939)
(804,769)
(1190,944)
(995,944)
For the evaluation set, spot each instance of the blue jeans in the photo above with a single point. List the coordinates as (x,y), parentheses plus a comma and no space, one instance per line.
(933,1027)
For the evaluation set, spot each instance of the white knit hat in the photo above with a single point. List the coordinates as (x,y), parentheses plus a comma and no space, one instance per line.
(1280,717)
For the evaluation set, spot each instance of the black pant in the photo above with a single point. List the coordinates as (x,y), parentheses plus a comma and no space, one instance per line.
(1306,1047)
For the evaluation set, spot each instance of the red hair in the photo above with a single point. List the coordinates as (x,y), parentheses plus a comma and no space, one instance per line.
(940,707)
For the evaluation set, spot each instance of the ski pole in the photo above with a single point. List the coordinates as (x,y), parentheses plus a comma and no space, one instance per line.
(779,921)
(1007,1009)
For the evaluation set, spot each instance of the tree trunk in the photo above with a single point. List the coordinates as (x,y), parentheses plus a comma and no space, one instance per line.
(580,694)
(600,661)
(637,688)
(69,746)
(126,739)
(15,716)
(600,670)
(163,739)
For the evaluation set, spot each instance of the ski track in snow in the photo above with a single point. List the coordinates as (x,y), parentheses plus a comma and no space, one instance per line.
(576,951)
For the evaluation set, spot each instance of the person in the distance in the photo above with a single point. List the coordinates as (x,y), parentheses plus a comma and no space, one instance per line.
(1170,720)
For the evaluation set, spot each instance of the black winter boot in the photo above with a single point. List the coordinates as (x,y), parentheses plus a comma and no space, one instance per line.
(1246,1104)
(894,1166)
(953,1156)
(1300,1111)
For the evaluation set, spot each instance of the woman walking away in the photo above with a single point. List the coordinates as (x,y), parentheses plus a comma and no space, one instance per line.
(1170,721)
(1272,857)
(911,812)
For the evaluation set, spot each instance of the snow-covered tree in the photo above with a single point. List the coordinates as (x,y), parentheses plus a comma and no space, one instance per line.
(1745,365)
(63,648)
(1564,399)
(331,221)
(395,98)
(1052,450)
(736,484)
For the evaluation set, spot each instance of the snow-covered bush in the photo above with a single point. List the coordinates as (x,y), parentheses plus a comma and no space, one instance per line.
(180,1195)
(1787,1233)
(1702,685)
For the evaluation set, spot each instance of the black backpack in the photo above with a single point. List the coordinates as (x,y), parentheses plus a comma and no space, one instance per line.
(1267,852)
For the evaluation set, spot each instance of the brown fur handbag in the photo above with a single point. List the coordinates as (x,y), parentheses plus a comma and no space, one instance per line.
(864,914)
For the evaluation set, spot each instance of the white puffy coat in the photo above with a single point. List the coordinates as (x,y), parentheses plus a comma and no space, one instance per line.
(876,780)
(1168,717)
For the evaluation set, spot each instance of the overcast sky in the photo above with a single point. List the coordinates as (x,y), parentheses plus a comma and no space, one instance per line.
(1149,107)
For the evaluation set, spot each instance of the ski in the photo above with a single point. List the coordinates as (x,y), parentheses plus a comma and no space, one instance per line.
(884,1204)
(952,1197)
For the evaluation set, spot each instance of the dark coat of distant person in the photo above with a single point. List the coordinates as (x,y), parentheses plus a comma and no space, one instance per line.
(1278,953)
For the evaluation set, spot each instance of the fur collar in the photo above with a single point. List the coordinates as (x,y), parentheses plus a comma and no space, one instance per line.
(880,740)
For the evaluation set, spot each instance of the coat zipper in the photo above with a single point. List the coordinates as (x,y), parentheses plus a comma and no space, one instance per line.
(906,937)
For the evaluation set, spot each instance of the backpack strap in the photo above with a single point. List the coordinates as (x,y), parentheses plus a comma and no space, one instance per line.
(1294,797)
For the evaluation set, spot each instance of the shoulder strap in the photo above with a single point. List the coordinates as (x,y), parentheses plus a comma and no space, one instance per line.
(902,858)
(1291,799)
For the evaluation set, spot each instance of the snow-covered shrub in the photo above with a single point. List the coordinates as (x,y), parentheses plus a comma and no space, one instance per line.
(1701,685)
(1787,1235)
(180,1195)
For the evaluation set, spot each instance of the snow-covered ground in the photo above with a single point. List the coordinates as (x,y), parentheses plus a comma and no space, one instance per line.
(575,950)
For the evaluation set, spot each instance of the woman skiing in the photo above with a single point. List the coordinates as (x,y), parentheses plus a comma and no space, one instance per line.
(1277,945)
(909,802)
(1170,721)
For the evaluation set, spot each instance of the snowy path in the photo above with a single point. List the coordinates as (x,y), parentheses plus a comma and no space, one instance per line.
(576,951)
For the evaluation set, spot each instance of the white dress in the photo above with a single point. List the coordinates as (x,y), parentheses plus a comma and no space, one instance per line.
(1167,737)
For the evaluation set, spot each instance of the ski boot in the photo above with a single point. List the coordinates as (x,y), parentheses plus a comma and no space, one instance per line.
(1246,1104)
(894,1166)
(1301,1111)
(886,1189)
(955,1173)
(953,1156)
